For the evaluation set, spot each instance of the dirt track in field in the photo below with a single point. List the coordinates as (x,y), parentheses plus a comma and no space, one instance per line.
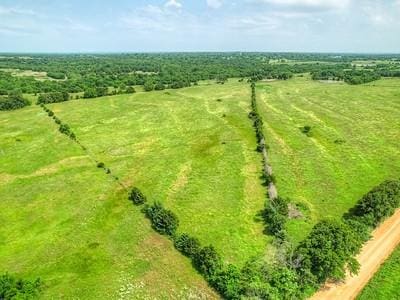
(384,240)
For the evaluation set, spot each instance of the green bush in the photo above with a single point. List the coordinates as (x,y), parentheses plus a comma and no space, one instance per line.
(187,245)
(13,101)
(208,261)
(137,197)
(162,220)
(53,97)
(13,288)
(379,203)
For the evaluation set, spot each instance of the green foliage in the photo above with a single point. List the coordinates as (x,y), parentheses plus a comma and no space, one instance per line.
(159,86)
(14,288)
(306,130)
(137,197)
(53,97)
(275,215)
(208,261)
(162,220)
(379,203)
(187,245)
(13,101)
(326,252)
(148,86)
(56,75)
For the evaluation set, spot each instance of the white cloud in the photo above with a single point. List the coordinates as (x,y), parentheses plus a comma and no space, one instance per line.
(214,3)
(173,4)
(311,4)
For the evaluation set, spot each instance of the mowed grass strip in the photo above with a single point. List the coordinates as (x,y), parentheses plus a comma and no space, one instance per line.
(192,149)
(67,222)
(354,143)
(385,284)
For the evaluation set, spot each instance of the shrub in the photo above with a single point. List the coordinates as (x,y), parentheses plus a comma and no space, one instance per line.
(100,165)
(306,130)
(227,282)
(162,220)
(208,261)
(327,251)
(54,97)
(13,288)
(137,197)
(379,203)
(187,245)
(13,101)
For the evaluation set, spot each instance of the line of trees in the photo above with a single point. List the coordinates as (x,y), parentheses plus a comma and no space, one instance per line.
(326,253)
(63,127)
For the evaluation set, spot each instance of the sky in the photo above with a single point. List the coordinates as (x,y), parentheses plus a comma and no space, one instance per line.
(368,26)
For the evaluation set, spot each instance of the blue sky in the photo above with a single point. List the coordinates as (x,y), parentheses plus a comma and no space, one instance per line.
(201,25)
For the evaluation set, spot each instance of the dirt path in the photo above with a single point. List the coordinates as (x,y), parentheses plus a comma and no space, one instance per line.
(373,254)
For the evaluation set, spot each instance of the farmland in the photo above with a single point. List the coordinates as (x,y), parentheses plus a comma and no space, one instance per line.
(354,143)
(194,145)
(71,225)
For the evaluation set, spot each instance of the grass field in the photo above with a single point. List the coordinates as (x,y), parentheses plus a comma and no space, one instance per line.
(67,222)
(355,142)
(193,149)
(385,284)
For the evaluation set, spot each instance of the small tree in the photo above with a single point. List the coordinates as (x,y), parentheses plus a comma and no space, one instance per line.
(137,197)
(187,245)
(162,220)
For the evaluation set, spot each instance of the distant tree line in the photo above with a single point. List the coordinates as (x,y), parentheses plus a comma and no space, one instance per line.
(85,73)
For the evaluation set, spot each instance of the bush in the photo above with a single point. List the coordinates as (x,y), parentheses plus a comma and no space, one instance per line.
(379,203)
(306,130)
(101,165)
(208,261)
(54,97)
(13,288)
(227,282)
(137,197)
(275,215)
(187,245)
(13,101)
(162,220)
(327,251)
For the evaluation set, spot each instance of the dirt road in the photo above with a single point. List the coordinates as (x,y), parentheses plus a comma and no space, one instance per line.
(384,240)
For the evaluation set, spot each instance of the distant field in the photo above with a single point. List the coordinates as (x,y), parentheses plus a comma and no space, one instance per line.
(67,222)
(37,75)
(355,142)
(385,284)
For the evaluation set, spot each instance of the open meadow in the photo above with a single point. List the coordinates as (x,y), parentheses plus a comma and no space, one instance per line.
(353,144)
(70,224)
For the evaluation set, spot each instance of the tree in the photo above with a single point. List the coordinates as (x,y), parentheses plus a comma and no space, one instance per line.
(130,90)
(148,86)
(208,261)
(187,245)
(14,288)
(137,197)
(159,86)
(162,220)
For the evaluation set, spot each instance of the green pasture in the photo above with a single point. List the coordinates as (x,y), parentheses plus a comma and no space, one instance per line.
(354,143)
